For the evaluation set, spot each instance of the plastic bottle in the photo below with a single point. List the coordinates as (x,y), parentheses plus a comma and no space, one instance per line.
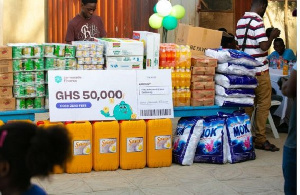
(285,69)
(173,75)
(106,154)
(177,78)
(183,57)
(162,56)
(132,144)
(189,57)
(81,138)
(188,77)
(177,58)
(187,96)
(159,143)
(46,123)
(182,77)
(181,96)
(174,96)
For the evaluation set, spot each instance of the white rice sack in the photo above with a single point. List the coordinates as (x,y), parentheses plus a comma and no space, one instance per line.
(186,139)
(234,93)
(236,102)
(233,56)
(235,81)
(240,140)
(229,68)
(212,146)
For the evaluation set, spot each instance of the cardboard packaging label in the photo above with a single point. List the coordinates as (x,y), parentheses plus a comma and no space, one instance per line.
(199,39)
(202,102)
(204,70)
(6,79)
(205,61)
(202,78)
(5,53)
(210,93)
(7,104)
(6,66)
(202,85)
(6,92)
(124,63)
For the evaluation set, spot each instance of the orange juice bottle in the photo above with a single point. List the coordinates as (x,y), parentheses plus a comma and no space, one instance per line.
(81,138)
(182,78)
(189,57)
(177,56)
(285,69)
(159,143)
(105,144)
(188,76)
(46,123)
(1,123)
(187,96)
(132,144)
(181,96)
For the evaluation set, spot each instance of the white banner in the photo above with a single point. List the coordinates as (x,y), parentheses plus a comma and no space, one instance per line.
(82,95)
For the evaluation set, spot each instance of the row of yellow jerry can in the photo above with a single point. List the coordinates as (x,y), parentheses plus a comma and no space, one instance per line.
(108,145)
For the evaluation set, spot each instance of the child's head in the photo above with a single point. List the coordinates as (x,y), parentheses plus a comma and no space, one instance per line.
(27,150)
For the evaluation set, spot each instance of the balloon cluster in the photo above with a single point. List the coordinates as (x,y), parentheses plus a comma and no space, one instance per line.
(165,15)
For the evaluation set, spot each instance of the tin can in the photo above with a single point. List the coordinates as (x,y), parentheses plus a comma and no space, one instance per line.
(29,77)
(16,52)
(38,103)
(40,90)
(59,50)
(92,54)
(38,51)
(70,64)
(29,103)
(79,53)
(100,60)
(87,60)
(19,91)
(30,91)
(85,53)
(20,104)
(17,65)
(99,67)
(93,46)
(80,61)
(50,63)
(61,64)
(49,50)
(38,64)
(28,65)
(39,77)
(99,54)
(18,78)
(27,51)
(70,51)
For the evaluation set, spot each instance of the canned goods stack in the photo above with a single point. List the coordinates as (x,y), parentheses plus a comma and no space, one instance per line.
(89,55)
(58,57)
(28,75)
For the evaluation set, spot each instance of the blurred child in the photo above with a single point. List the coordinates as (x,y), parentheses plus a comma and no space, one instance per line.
(27,151)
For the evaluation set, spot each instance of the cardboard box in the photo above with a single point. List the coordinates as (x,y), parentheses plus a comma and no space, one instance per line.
(205,61)
(6,66)
(202,85)
(6,79)
(204,70)
(5,52)
(121,47)
(7,104)
(124,63)
(199,39)
(6,92)
(202,78)
(151,43)
(202,102)
(209,93)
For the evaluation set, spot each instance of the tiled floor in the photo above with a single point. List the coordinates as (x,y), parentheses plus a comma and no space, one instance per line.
(260,176)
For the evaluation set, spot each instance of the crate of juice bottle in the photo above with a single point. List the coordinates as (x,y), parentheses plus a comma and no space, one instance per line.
(106,154)
(45,124)
(81,138)
(159,143)
(132,144)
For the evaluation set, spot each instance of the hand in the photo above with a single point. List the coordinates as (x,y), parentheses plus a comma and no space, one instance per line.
(275,33)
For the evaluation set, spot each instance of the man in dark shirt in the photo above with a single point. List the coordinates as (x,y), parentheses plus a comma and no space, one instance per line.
(85,26)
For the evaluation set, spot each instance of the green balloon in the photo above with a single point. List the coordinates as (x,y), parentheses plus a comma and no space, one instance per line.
(155,21)
(178,11)
(154,8)
(170,22)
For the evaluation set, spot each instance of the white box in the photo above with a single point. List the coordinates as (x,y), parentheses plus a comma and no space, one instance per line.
(151,47)
(121,47)
(124,63)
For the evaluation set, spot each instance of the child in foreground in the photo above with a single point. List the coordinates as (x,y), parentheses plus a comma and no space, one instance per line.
(28,151)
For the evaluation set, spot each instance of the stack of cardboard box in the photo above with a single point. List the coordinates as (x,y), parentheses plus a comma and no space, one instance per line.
(7,102)
(202,81)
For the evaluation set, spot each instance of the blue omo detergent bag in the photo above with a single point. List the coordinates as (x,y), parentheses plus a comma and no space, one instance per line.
(186,139)
(240,141)
(212,145)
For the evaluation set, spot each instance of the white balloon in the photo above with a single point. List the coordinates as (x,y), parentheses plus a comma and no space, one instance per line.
(164,7)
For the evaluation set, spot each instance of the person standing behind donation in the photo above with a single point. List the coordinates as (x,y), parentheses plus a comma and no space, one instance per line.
(85,26)
(252,39)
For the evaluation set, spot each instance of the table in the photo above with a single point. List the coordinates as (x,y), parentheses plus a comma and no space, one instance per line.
(275,74)
(201,110)
(20,114)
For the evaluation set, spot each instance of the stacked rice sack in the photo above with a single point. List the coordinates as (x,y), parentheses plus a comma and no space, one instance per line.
(235,78)
(214,139)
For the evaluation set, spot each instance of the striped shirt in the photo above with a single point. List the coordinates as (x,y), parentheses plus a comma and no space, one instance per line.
(255,35)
